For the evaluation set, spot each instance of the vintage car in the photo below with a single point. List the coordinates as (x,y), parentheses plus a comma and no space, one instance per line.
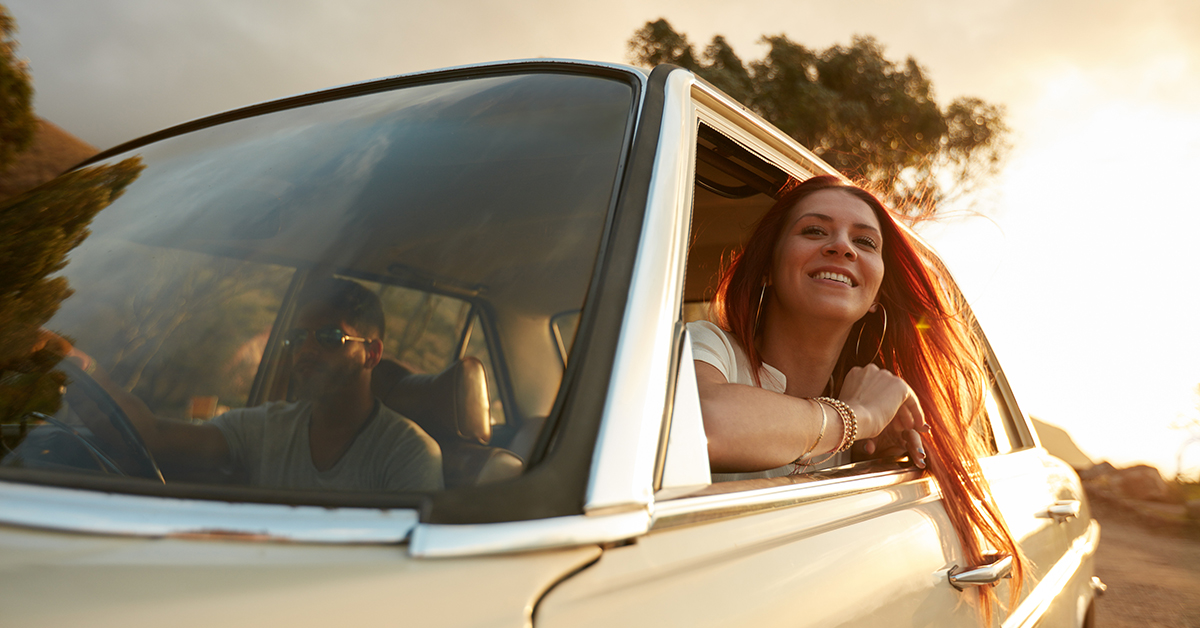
(539,232)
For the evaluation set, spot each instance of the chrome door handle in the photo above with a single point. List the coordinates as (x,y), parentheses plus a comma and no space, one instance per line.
(1063,510)
(981,576)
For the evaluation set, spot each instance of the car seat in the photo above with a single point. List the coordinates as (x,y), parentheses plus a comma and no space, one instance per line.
(453,407)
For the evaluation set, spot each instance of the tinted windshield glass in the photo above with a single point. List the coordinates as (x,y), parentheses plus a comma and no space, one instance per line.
(359,294)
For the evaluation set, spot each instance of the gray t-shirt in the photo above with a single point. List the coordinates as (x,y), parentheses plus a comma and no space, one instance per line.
(270,442)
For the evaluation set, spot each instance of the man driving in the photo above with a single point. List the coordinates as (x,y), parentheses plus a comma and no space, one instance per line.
(335,436)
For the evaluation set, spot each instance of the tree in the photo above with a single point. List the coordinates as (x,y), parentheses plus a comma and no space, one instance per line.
(37,231)
(874,120)
(17,123)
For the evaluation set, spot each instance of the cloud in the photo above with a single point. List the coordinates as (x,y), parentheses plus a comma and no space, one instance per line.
(113,69)
(109,70)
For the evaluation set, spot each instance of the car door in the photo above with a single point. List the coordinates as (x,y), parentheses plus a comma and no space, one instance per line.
(853,547)
(868,544)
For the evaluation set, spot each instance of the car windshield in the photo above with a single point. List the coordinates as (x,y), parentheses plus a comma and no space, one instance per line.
(471,210)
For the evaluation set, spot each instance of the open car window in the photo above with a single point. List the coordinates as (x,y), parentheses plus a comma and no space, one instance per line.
(736,180)
(473,209)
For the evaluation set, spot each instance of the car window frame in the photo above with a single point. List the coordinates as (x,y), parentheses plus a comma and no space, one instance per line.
(676,505)
(556,490)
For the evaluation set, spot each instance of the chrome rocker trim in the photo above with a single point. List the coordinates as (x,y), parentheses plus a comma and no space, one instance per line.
(77,510)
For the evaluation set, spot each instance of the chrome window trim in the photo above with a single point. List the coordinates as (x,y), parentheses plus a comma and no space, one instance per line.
(703,508)
(89,511)
(718,110)
(515,63)
(328,94)
(434,540)
(622,471)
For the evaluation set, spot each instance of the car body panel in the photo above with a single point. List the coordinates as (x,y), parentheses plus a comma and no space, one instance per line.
(788,566)
(94,512)
(1061,551)
(892,538)
(55,579)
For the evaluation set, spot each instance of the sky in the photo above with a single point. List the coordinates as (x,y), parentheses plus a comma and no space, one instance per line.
(1080,258)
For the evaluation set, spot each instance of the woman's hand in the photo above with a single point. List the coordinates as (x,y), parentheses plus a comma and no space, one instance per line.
(891,443)
(884,402)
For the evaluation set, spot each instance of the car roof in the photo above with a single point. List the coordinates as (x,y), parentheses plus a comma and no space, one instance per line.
(365,87)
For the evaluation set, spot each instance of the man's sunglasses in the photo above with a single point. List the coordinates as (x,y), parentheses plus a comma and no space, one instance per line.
(328,337)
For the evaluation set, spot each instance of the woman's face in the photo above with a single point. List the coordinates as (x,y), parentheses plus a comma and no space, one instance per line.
(828,261)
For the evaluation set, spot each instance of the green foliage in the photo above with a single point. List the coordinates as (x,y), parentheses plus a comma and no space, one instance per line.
(873,119)
(30,385)
(37,230)
(17,122)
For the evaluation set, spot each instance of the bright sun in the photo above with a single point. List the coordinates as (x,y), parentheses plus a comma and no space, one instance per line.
(1087,276)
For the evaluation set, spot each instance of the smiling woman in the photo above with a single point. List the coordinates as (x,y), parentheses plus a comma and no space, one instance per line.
(826,263)
(818,268)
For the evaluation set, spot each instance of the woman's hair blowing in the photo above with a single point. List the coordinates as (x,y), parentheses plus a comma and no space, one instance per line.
(931,342)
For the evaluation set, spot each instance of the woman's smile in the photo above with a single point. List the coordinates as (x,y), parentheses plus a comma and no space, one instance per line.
(835,276)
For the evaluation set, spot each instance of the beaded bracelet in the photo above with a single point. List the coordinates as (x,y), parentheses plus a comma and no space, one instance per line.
(819,436)
(849,422)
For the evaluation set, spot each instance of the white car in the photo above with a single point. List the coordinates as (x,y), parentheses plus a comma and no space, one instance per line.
(539,233)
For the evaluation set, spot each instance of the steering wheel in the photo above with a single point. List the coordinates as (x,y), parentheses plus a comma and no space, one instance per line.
(140,462)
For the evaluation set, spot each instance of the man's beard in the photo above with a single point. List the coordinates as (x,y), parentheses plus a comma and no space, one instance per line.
(322,379)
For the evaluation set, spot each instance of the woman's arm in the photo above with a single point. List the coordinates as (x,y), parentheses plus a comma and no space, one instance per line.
(751,429)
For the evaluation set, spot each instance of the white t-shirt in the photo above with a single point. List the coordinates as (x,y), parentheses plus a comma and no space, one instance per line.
(270,442)
(713,345)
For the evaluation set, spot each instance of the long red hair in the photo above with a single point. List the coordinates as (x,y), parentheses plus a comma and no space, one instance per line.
(930,342)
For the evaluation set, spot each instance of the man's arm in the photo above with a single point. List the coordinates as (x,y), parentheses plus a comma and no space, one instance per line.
(180,448)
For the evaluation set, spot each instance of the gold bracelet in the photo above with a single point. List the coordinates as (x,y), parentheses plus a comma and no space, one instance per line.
(849,422)
(819,436)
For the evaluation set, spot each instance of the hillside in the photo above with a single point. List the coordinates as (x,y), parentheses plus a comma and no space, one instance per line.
(53,151)
(1059,443)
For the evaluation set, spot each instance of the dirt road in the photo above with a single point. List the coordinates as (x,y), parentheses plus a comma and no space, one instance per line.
(1153,576)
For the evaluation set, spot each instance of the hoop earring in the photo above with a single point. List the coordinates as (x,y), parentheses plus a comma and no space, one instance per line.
(882,333)
(758,312)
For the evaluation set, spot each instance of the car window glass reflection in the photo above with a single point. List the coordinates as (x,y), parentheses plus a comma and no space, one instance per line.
(471,209)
